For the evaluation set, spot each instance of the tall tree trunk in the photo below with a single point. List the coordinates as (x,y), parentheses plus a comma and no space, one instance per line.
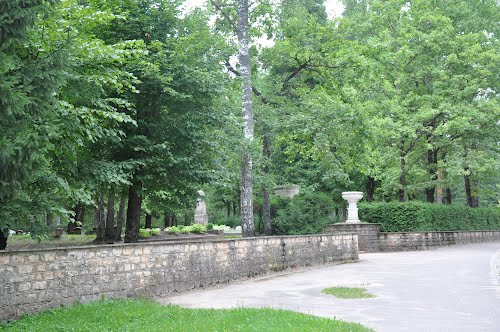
(99,220)
(169,220)
(471,187)
(246,182)
(4,234)
(439,189)
(73,227)
(432,167)
(149,220)
(120,218)
(81,217)
(474,192)
(402,178)
(448,196)
(228,208)
(468,190)
(370,188)
(109,235)
(133,214)
(266,202)
(471,183)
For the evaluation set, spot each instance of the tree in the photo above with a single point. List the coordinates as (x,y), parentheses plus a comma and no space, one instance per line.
(170,144)
(246,186)
(30,74)
(419,53)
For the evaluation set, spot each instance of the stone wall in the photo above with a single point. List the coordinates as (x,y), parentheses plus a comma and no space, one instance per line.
(367,234)
(428,240)
(37,279)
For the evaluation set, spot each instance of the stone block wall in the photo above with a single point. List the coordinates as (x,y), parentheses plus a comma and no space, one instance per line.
(408,241)
(33,280)
(367,234)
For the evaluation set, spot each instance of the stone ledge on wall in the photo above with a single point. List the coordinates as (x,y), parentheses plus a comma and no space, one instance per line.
(408,241)
(33,280)
(371,240)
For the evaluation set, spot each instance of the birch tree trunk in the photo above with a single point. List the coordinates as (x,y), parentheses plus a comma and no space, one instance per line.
(246,198)
(266,201)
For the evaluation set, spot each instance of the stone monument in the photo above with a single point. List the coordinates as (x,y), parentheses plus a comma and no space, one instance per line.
(200,213)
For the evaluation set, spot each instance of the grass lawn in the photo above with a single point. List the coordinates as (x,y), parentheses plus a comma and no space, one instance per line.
(348,292)
(145,315)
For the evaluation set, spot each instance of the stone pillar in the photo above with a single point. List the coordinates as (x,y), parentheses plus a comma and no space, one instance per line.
(200,213)
(367,234)
(352,197)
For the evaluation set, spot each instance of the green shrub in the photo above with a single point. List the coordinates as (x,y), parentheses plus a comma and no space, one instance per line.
(210,226)
(144,233)
(173,230)
(306,213)
(419,216)
(186,229)
(155,231)
(198,228)
(219,227)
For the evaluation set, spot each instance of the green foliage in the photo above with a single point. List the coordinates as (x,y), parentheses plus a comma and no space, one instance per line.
(348,292)
(306,213)
(194,228)
(155,231)
(219,227)
(145,315)
(417,216)
(144,233)
(173,229)
(210,226)
(198,228)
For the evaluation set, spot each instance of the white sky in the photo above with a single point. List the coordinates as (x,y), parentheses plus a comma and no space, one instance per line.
(334,8)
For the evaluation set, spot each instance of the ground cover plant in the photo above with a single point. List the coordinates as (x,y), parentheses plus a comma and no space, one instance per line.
(146,315)
(348,292)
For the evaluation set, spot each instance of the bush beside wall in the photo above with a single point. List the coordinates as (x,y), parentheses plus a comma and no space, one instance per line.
(307,213)
(421,217)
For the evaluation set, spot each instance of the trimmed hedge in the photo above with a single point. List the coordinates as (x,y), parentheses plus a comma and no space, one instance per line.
(420,217)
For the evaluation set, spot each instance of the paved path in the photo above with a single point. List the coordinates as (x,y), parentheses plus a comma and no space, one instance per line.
(449,289)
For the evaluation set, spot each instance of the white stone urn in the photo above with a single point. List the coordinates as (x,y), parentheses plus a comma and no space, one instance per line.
(352,197)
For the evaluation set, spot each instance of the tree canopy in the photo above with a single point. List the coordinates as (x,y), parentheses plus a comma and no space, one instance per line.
(141,100)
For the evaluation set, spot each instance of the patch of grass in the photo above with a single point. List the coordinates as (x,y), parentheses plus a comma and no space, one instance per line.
(232,236)
(145,315)
(348,292)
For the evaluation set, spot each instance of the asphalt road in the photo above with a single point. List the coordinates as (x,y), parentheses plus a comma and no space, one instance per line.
(448,289)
